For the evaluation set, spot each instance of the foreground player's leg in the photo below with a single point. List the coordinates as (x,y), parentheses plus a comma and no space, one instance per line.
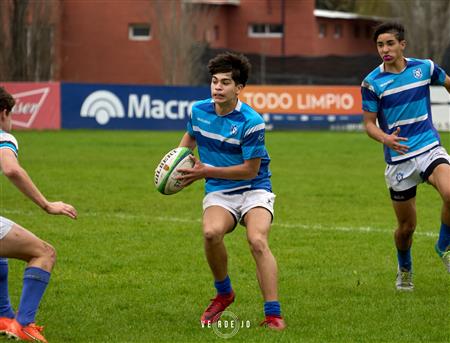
(406,217)
(216,223)
(6,311)
(22,244)
(258,221)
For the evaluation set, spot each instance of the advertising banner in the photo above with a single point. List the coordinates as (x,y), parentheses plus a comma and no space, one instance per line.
(52,105)
(37,105)
(128,106)
(306,107)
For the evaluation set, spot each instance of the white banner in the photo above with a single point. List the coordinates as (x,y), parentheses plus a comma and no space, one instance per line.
(440,107)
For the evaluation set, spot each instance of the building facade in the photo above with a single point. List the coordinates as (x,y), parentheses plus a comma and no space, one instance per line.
(128,41)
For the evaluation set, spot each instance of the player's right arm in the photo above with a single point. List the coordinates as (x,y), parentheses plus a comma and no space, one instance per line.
(19,177)
(188,141)
(392,141)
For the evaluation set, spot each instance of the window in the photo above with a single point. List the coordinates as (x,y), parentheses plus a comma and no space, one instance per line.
(265,30)
(139,32)
(322,30)
(337,31)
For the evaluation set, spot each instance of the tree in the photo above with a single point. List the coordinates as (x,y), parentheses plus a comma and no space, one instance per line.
(182,26)
(26,40)
(427,24)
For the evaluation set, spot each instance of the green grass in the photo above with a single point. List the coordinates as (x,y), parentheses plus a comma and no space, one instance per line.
(132,267)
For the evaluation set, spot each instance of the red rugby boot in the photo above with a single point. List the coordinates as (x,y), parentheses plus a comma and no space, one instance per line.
(4,323)
(274,323)
(30,332)
(216,307)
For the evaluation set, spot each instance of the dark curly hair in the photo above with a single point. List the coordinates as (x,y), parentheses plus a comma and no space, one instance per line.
(397,29)
(226,62)
(7,102)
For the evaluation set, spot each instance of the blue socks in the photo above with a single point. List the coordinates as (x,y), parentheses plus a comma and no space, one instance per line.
(5,304)
(272,308)
(35,281)
(404,259)
(223,287)
(444,238)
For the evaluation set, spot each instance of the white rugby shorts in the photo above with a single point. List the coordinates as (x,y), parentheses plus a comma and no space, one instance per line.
(5,226)
(406,175)
(240,204)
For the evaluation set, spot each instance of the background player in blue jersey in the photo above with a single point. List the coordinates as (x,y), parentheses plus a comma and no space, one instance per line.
(230,137)
(397,93)
(17,242)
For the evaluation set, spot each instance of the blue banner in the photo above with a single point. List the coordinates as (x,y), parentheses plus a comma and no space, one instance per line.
(127,106)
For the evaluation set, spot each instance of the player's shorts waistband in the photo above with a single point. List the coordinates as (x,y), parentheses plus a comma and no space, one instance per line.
(244,190)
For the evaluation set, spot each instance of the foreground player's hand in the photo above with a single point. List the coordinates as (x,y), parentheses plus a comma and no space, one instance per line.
(393,141)
(59,207)
(189,175)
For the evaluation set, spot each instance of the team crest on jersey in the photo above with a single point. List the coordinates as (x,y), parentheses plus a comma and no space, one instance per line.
(417,73)
(233,130)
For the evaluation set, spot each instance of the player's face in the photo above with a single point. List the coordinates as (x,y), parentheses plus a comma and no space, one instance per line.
(223,88)
(5,121)
(390,48)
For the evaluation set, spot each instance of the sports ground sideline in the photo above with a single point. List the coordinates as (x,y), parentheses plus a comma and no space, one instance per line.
(131,268)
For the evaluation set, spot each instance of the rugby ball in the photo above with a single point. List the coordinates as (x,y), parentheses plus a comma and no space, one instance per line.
(166,171)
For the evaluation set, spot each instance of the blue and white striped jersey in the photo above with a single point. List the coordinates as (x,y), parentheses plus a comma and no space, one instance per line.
(8,141)
(228,140)
(403,100)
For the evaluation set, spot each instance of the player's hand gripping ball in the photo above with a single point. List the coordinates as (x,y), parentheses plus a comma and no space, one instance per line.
(166,171)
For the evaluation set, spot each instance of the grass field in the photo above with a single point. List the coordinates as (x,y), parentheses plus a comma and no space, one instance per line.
(132,267)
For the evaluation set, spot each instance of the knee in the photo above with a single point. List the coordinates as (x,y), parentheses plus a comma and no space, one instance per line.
(49,254)
(406,227)
(212,235)
(258,245)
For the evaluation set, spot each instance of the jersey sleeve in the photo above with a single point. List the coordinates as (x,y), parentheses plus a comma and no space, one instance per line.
(189,129)
(189,125)
(253,142)
(8,141)
(369,97)
(437,74)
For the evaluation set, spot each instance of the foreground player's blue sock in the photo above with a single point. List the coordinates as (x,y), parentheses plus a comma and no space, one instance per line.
(35,281)
(224,286)
(272,308)
(444,237)
(404,259)
(5,305)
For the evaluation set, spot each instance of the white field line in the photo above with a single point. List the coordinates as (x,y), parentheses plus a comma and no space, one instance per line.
(294,226)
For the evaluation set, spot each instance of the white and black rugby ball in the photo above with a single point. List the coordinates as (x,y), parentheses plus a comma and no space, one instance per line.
(166,171)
